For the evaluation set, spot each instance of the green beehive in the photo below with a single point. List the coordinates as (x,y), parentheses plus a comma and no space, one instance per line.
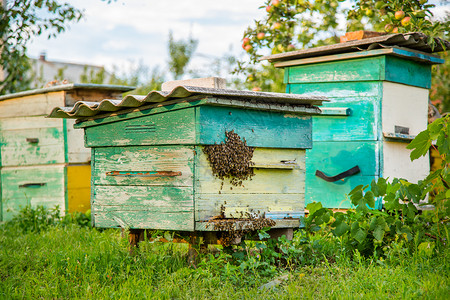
(150,170)
(378,90)
(43,161)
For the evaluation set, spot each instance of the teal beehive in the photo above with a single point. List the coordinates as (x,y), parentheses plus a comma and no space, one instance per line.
(150,169)
(378,90)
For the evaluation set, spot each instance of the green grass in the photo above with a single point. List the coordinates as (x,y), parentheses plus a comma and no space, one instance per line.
(73,262)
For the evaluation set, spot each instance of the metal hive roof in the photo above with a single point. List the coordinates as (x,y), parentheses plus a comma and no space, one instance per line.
(414,41)
(83,109)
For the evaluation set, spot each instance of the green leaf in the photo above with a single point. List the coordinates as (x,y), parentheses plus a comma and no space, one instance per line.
(313,207)
(369,199)
(360,235)
(382,185)
(379,228)
(374,188)
(341,228)
(421,144)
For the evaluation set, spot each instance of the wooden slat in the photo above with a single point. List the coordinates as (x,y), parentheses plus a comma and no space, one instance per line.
(400,52)
(365,69)
(286,223)
(143,158)
(259,128)
(48,189)
(79,188)
(407,72)
(208,206)
(334,194)
(397,163)
(168,208)
(265,181)
(33,105)
(174,127)
(77,152)
(338,89)
(334,157)
(405,106)
(362,98)
(376,68)
(31,141)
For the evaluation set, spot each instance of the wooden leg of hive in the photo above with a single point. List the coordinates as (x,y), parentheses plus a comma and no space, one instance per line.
(195,247)
(134,237)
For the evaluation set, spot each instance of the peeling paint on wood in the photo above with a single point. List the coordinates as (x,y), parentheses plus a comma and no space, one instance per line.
(47,188)
(376,68)
(174,127)
(258,128)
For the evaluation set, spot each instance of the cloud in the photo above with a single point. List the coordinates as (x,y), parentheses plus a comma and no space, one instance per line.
(137,29)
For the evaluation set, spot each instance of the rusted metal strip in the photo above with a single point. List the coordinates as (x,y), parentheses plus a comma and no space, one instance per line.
(144,173)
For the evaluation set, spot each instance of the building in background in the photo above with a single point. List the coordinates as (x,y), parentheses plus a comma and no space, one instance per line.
(44,71)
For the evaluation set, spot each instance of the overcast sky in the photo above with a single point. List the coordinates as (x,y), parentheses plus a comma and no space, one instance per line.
(134,30)
(137,30)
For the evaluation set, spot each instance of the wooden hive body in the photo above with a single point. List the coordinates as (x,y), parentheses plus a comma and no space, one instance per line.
(378,103)
(169,139)
(43,161)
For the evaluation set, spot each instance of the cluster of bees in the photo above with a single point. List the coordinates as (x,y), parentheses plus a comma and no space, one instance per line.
(232,230)
(231,159)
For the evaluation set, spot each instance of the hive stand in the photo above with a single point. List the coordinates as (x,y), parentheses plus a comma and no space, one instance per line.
(378,103)
(43,161)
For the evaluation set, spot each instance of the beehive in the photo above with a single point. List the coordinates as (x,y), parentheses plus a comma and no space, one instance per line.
(378,90)
(150,171)
(43,161)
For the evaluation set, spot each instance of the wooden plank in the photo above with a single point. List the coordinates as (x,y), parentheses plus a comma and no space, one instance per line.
(77,152)
(265,181)
(91,95)
(398,137)
(154,198)
(31,141)
(365,69)
(407,72)
(174,127)
(336,111)
(284,108)
(361,124)
(140,158)
(143,219)
(333,157)
(334,194)
(285,223)
(396,163)
(153,207)
(43,185)
(396,51)
(376,68)
(362,98)
(208,206)
(79,188)
(338,89)
(33,105)
(259,128)
(405,106)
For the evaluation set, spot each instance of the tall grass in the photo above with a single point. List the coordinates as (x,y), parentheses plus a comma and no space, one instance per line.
(66,260)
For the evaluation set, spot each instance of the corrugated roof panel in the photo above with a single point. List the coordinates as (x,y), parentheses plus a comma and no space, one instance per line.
(414,41)
(83,109)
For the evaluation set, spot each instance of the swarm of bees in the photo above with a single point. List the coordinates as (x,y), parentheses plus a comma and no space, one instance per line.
(233,229)
(231,159)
